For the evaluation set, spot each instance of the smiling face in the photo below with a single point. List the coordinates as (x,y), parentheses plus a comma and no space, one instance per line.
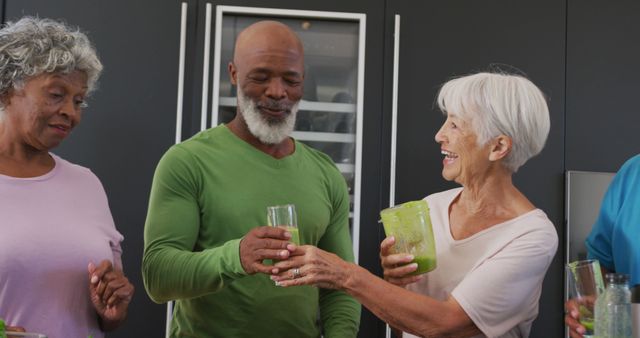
(465,161)
(44,111)
(268,69)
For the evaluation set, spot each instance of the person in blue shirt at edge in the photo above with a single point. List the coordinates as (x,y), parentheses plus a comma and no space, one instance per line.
(615,237)
(205,239)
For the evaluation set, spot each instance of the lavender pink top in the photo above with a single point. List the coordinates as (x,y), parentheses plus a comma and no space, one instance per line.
(51,227)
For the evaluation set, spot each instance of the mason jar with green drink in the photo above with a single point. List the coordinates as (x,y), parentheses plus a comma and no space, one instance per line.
(410,224)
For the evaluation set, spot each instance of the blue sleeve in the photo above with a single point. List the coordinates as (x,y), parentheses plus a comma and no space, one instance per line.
(598,242)
(623,189)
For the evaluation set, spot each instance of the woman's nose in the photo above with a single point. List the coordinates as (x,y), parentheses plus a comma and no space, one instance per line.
(71,109)
(440,135)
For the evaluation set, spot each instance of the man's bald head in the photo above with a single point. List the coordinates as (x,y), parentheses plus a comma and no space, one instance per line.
(263,35)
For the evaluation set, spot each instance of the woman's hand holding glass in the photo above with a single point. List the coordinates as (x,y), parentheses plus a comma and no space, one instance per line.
(396,267)
(309,265)
(572,319)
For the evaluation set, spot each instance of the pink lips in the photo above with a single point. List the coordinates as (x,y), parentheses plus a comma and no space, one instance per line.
(446,160)
(61,128)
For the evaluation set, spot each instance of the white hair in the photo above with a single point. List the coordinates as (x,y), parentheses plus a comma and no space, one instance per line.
(500,104)
(267,132)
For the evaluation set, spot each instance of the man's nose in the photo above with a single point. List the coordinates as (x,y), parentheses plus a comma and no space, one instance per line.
(276,89)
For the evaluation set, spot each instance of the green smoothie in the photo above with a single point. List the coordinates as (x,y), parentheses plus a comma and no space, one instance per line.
(588,324)
(295,234)
(410,224)
(295,239)
(425,264)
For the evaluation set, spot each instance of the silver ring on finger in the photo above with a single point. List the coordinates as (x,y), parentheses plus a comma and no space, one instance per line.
(296,273)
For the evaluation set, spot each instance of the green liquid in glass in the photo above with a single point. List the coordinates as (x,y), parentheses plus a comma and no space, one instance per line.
(425,264)
(410,224)
(295,239)
(588,324)
(295,234)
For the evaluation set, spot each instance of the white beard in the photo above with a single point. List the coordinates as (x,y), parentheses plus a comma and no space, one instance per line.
(268,132)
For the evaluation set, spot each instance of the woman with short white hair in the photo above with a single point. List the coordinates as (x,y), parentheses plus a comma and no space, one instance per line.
(493,246)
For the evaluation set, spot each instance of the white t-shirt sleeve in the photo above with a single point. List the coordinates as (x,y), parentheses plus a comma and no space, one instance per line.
(501,292)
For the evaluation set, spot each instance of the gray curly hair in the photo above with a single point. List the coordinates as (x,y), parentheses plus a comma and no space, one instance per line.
(32,46)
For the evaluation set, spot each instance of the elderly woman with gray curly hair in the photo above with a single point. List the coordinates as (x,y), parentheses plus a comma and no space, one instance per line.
(493,246)
(60,255)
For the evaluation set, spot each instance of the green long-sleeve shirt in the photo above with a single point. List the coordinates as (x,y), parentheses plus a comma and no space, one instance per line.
(207,193)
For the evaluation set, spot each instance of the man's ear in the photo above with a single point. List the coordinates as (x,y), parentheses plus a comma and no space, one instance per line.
(233,73)
(500,147)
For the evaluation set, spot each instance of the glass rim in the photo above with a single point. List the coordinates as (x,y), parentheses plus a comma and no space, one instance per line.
(282,206)
(408,204)
(582,262)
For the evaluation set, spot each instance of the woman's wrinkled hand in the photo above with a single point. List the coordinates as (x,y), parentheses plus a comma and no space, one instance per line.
(309,265)
(110,292)
(572,319)
(397,267)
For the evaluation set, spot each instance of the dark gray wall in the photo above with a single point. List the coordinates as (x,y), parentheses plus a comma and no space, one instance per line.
(130,121)
(603,84)
(441,39)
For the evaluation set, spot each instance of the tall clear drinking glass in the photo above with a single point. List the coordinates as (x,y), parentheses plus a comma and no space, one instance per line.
(284,216)
(585,285)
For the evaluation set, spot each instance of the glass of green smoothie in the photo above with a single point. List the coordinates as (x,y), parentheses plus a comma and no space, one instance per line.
(585,285)
(284,216)
(410,224)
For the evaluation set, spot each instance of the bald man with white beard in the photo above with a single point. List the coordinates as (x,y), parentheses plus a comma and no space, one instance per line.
(205,236)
